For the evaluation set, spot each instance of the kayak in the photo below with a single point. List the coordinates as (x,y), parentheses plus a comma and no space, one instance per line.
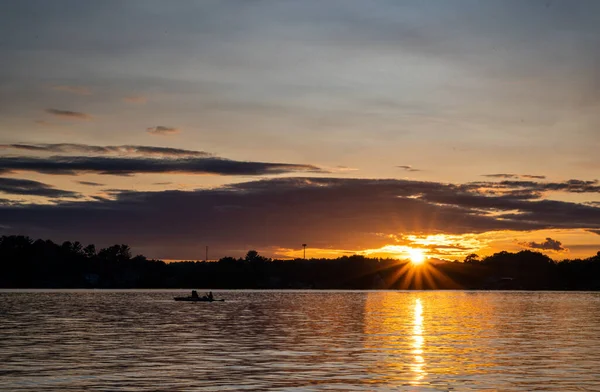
(197,299)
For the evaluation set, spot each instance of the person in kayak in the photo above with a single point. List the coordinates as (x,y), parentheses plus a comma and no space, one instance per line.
(210,296)
(194,294)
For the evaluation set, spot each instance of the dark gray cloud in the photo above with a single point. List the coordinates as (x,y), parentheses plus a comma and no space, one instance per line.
(572,186)
(595,231)
(26,147)
(15,186)
(128,165)
(555,214)
(89,183)
(162,130)
(286,212)
(513,176)
(408,168)
(66,148)
(501,175)
(533,177)
(68,114)
(549,244)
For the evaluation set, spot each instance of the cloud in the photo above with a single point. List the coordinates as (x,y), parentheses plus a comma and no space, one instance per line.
(26,147)
(79,90)
(16,186)
(534,177)
(89,183)
(286,212)
(408,168)
(9,202)
(69,114)
(162,130)
(101,150)
(500,175)
(135,99)
(572,186)
(595,231)
(342,169)
(44,123)
(549,244)
(513,176)
(72,165)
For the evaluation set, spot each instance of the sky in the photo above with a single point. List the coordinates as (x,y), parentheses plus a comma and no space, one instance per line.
(377,127)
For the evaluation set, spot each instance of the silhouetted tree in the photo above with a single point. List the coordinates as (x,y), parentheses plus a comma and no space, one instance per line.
(115,253)
(42,263)
(90,251)
(472,258)
(253,256)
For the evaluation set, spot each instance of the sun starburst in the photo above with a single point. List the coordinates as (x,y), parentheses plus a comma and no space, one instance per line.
(417,256)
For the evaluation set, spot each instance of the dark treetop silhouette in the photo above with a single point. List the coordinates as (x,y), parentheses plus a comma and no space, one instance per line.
(45,264)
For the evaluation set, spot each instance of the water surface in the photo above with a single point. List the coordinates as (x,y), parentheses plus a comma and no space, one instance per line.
(298,341)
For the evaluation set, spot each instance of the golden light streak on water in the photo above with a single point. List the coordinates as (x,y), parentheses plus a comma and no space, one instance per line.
(418,361)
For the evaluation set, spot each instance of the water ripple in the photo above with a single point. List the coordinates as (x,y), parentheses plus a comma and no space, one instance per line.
(299,341)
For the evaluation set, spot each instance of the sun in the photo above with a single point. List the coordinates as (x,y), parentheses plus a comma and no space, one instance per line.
(417,256)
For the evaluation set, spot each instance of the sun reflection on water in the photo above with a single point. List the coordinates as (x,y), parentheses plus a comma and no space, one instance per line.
(417,345)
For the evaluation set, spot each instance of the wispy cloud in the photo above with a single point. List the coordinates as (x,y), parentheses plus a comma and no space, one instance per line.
(572,186)
(162,130)
(69,114)
(17,186)
(408,168)
(533,177)
(71,165)
(501,175)
(66,148)
(133,159)
(343,169)
(90,183)
(79,90)
(135,99)
(8,203)
(514,176)
(549,244)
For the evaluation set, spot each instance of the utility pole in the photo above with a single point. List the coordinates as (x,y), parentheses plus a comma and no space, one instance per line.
(206,257)
(304,246)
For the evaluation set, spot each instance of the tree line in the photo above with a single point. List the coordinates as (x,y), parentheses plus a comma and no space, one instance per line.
(28,263)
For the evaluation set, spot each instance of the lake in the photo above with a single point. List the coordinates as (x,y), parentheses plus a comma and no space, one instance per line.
(74,340)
